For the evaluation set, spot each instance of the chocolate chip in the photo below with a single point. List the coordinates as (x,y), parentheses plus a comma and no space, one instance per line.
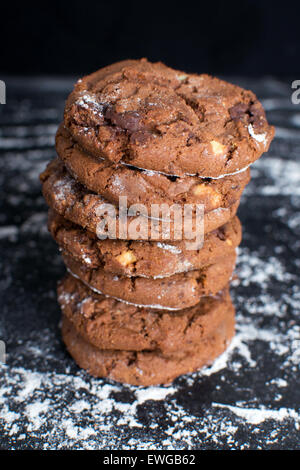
(256,114)
(221,234)
(129,121)
(238,111)
(252,111)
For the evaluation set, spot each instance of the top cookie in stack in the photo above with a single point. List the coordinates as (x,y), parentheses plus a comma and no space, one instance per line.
(155,118)
(155,136)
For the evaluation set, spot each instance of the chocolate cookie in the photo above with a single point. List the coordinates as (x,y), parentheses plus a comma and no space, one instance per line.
(142,258)
(79,205)
(146,367)
(109,324)
(153,117)
(174,292)
(144,186)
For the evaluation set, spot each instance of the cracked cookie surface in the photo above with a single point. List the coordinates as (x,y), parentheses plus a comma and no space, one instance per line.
(153,117)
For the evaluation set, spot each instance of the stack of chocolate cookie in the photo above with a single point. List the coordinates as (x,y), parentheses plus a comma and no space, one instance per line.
(139,305)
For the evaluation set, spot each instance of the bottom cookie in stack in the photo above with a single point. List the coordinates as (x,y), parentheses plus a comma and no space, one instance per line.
(142,346)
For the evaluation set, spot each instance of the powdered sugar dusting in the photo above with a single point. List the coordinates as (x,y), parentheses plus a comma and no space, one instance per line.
(259,415)
(86,259)
(63,187)
(173,249)
(23,401)
(89,102)
(260,138)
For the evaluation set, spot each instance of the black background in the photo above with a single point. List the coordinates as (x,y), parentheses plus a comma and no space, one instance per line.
(245,37)
(223,38)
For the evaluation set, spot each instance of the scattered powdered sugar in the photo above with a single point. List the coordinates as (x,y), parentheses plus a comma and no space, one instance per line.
(9,231)
(89,101)
(173,249)
(153,393)
(116,182)
(259,415)
(282,177)
(92,413)
(261,138)
(65,298)
(86,259)
(63,187)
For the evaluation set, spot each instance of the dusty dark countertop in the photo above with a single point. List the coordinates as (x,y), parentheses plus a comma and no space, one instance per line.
(249,399)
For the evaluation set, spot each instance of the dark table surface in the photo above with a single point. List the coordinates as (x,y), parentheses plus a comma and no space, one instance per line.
(249,398)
